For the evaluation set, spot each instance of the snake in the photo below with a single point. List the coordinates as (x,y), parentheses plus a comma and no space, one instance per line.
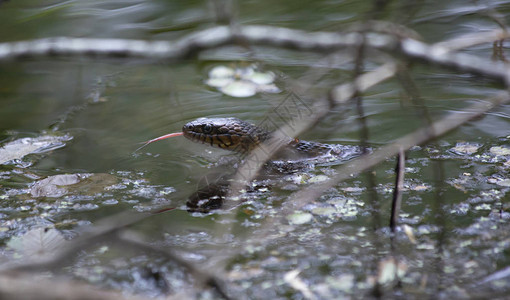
(243,137)
(240,136)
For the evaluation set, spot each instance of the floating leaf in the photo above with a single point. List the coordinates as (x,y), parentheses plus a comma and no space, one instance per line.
(465,148)
(500,150)
(221,72)
(318,178)
(240,89)
(324,211)
(262,78)
(62,184)
(483,206)
(298,218)
(218,82)
(37,243)
(51,186)
(504,182)
(19,148)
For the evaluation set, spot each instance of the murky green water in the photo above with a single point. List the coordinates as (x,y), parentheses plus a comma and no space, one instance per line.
(95,112)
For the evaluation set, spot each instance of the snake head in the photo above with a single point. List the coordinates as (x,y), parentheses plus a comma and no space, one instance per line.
(225,133)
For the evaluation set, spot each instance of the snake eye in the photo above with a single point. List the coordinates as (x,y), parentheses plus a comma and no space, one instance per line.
(207,128)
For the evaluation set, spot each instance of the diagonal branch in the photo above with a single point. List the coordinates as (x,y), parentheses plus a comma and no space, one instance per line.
(365,162)
(340,94)
(109,230)
(418,137)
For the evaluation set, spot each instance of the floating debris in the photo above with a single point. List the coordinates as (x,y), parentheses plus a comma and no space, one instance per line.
(499,150)
(420,187)
(504,182)
(298,218)
(408,230)
(499,275)
(19,148)
(324,211)
(318,178)
(52,186)
(390,270)
(297,283)
(344,282)
(84,183)
(465,148)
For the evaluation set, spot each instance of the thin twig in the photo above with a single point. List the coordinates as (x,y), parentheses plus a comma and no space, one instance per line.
(397,192)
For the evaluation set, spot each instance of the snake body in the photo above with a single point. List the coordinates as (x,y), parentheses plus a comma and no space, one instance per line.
(240,136)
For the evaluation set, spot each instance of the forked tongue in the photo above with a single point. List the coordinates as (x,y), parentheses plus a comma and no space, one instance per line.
(159,139)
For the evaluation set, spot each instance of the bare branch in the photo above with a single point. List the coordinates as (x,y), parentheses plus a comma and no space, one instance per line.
(471,40)
(322,42)
(458,61)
